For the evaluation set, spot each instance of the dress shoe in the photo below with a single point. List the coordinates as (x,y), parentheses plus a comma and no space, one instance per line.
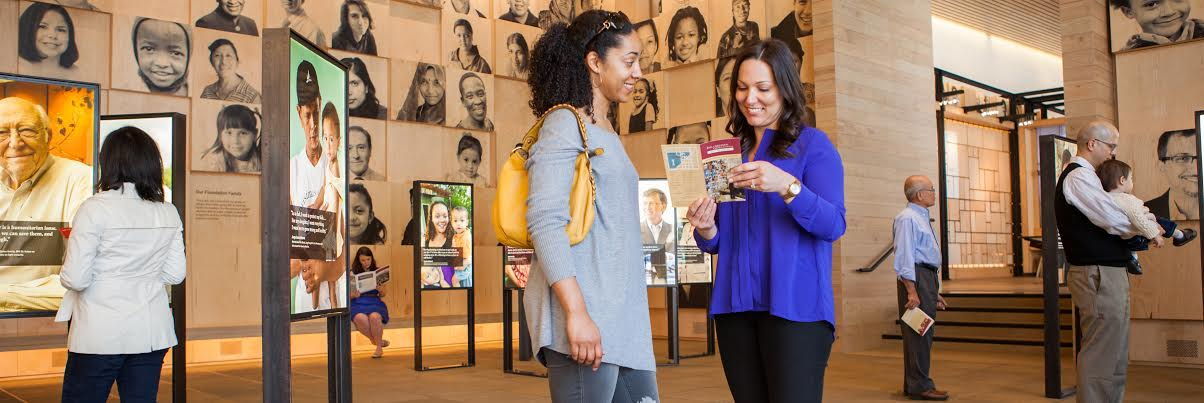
(940,392)
(1188,235)
(1134,267)
(929,395)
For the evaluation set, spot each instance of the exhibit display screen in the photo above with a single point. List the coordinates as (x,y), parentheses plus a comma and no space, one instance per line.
(516,266)
(444,250)
(658,232)
(47,175)
(317,181)
(160,128)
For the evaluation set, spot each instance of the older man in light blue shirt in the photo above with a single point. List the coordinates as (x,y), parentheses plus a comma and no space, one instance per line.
(917,263)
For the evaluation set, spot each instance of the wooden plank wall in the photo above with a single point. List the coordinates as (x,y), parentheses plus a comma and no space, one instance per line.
(1087,67)
(874,85)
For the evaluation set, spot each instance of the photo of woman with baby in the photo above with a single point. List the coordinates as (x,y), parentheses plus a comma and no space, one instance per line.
(445,248)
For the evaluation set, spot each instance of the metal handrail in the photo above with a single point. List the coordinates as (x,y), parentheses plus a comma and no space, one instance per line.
(877,262)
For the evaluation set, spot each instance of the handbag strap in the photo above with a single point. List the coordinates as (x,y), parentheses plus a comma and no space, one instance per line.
(532,135)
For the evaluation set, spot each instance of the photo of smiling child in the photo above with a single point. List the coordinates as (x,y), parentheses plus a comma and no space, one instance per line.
(48,43)
(1143,23)
(160,52)
(687,37)
(469,152)
(235,146)
(444,211)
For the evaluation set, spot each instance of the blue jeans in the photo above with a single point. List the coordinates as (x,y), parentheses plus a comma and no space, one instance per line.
(89,377)
(1140,243)
(572,382)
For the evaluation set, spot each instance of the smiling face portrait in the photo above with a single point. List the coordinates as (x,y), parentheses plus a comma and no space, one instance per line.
(687,35)
(646,31)
(24,140)
(1142,23)
(47,35)
(162,50)
(49,40)
(359,151)
(1178,158)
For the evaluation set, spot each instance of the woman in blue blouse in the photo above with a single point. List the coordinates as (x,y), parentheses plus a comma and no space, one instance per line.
(773,288)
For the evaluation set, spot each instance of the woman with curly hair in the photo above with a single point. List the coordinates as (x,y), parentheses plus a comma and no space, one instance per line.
(587,303)
(772,299)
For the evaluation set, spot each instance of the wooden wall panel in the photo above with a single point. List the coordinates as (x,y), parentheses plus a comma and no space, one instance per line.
(1087,63)
(1160,90)
(874,83)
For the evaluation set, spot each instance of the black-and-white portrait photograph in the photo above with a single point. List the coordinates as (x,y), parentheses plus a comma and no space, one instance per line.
(646,111)
(524,12)
(466,8)
(724,68)
(1143,23)
(791,24)
(743,22)
(225,137)
(298,16)
(1178,162)
(514,44)
(694,133)
(473,111)
(651,56)
(62,42)
(367,145)
(90,5)
(237,16)
(356,25)
(367,83)
(471,157)
(809,96)
(228,66)
(151,55)
(558,11)
(368,212)
(467,43)
(687,38)
(423,89)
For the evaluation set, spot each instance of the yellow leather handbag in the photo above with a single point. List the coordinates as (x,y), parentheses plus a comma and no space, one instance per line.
(510,207)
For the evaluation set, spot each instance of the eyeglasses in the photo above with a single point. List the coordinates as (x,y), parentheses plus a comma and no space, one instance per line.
(1181,159)
(1110,145)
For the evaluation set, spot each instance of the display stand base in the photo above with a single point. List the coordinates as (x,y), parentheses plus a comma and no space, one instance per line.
(524,337)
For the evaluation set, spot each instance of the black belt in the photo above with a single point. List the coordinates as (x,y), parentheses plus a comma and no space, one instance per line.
(927,266)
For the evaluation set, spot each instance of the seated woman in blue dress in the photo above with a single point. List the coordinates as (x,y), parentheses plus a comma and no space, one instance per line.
(368,312)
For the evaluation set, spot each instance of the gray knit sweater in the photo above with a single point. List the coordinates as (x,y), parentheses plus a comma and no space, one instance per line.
(608,263)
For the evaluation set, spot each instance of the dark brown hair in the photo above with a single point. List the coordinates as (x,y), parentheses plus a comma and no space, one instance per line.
(781,62)
(1110,173)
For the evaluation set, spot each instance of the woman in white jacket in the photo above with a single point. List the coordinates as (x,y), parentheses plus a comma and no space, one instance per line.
(125,246)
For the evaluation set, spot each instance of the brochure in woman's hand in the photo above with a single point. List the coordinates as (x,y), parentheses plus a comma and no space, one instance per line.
(697,170)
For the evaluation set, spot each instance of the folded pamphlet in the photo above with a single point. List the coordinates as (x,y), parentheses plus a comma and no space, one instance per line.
(918,320)
(697,170)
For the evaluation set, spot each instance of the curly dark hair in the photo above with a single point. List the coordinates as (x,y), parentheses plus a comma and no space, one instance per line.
(794,115)
(558,71)
(1120,3)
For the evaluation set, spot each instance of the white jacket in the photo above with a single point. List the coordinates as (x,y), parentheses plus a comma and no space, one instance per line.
(122,253)
(1136,210)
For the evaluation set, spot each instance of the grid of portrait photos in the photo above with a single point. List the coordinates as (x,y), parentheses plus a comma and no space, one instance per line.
(318,191)
(444,249)
(59,124)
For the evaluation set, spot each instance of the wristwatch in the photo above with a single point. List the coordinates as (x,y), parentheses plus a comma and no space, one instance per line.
(793,190)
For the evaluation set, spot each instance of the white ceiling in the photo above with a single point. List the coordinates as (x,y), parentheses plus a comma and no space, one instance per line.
(1033,23)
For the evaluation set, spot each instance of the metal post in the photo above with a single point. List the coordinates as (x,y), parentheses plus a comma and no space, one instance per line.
(472,328)
(507,331)
(1050,292)
(524,334)
(1014,164)
(338,362)
(275,299)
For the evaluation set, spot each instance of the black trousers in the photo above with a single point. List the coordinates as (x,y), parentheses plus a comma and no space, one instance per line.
(770,359)
(89,377)
(917,350)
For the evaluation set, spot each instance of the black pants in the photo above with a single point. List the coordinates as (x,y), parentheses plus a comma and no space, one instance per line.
(89,377)
(917,350)
(770,359)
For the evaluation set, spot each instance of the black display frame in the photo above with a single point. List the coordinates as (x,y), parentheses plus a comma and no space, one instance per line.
(1051,294)
(417,213)
(1200,168)
(179,198)
(96,97)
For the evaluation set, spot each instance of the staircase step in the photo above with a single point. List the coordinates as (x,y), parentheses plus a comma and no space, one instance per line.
(1001,317)
(1001,309)
(1002,301)
(1002,325)
(1010,333)
(1011,342)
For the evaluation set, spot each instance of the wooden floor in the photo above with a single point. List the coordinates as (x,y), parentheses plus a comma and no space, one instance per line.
(971,373)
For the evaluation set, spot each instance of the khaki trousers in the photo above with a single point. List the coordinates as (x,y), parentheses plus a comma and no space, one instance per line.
(1101,293)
